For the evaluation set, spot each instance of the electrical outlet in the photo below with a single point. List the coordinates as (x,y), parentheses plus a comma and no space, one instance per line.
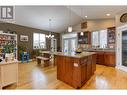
(75,64)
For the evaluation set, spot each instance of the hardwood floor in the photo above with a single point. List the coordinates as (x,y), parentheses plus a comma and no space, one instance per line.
(32,76)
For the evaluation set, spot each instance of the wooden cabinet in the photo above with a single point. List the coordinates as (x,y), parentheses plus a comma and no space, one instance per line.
(85,38)
(8,74)
(68,68)
(94,57)
(109,59)
(89,67)
(111,35)
(84,71)
(75,71)
(106,58)
(100,58)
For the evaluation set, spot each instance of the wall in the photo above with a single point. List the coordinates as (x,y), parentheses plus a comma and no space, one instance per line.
(22,30)
(97,24)
(93,25)
(117,19)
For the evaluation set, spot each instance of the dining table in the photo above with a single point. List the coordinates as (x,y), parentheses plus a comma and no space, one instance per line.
(47,53)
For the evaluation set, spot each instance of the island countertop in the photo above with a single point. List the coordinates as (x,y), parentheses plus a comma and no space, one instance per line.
(81,55)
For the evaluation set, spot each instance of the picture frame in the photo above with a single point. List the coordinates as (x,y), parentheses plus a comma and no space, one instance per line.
(24,38)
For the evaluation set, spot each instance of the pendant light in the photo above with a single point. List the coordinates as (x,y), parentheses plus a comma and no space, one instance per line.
(70,27)
(50,35)
(82,33)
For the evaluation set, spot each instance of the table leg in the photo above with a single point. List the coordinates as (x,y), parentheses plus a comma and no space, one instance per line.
(38,61)
(54,61)
(46,63)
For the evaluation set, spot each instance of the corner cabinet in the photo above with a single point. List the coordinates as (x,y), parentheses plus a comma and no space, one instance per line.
(106,58)
(111,35)
(109,59)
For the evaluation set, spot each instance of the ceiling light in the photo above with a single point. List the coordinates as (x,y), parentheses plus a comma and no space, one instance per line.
(85,16)
(50,35)
(69,29)
(108,14)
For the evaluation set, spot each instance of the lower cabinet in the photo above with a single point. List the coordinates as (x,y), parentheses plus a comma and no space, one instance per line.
(83,73)
(89,67)
(106,58)
(100,58)
(109,59)
(8,74)
(94,57)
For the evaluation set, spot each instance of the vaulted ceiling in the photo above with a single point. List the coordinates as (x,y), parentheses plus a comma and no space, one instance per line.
(61,16)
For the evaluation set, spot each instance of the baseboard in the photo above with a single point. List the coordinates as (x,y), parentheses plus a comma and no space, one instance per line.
(25,61)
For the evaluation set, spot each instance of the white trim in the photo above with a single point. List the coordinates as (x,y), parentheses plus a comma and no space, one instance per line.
(25,61)
(53,45)
(119,47)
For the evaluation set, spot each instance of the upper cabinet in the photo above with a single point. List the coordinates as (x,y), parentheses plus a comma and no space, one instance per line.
(84,37)
(111,35)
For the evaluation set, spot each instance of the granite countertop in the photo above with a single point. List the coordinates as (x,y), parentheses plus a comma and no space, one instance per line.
(83,54)
(104,50)
(9,62)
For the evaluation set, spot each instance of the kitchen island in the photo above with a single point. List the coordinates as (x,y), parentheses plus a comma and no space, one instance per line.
(75,69)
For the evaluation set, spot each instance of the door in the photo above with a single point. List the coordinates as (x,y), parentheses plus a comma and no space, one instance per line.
(69,45)
(73,44)
(122,48)
(53,45)
(65,45)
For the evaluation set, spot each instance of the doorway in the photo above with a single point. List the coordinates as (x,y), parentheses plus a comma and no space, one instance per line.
(53,45)
(69,43)
(122,47)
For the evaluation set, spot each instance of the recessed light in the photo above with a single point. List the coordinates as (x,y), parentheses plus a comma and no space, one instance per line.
(85,16)
(108,14)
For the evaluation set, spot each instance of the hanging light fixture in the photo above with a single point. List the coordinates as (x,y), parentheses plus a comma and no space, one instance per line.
(82,33)
(50,35)
(70,27)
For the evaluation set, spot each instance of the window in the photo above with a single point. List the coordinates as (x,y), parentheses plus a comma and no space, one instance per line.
(95,38)
(99,39)
(39,41)
(103,38)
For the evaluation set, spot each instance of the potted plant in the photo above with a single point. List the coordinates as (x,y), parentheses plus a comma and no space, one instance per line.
(9,50)
(21,49)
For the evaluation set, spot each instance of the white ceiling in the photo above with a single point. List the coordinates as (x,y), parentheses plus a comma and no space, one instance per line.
(38,16)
